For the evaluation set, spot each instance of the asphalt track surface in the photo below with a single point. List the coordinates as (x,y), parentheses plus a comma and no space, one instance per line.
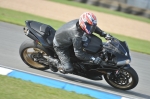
(11,37)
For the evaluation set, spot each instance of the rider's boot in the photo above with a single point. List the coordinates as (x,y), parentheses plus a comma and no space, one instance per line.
(65,68)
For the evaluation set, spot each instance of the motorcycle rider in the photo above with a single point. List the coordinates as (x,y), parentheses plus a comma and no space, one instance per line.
(75,33)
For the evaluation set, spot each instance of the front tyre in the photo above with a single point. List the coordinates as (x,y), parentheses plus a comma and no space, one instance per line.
(125,80)
(33,55)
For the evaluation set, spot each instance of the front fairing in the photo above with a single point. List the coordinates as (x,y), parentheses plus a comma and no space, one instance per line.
(118,48)
(124,52)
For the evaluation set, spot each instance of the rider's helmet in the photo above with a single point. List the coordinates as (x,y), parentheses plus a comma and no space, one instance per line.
(88,22)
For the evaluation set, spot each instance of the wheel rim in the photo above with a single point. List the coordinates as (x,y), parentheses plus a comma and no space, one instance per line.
(125,80)
(27,56)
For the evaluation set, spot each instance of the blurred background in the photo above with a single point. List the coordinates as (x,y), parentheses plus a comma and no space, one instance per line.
(136,7)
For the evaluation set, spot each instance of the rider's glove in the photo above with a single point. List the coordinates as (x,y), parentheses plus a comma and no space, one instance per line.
(96,60)
(108,37)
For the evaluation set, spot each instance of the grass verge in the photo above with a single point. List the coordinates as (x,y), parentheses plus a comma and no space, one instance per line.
(19,18)
(12,88)
(101,9)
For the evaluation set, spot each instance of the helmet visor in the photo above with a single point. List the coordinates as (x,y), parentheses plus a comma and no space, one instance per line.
(90,28)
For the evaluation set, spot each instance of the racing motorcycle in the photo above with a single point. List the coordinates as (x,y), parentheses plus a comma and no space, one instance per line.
(114,53)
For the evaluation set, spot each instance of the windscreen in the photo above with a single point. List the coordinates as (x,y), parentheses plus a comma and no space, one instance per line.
(115,46)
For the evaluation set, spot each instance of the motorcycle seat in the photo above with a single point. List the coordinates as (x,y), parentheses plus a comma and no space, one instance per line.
(40,27)
(46,31)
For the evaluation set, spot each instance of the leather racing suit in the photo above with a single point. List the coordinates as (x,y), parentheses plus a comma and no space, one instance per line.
(67,35)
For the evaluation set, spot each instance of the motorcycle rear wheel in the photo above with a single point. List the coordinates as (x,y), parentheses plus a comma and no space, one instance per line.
(29,48)
(127,80)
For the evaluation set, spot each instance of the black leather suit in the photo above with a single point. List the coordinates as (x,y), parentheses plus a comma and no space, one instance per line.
(71,34)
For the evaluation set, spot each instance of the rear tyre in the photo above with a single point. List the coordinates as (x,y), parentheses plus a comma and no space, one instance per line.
(29,53)
(126,80)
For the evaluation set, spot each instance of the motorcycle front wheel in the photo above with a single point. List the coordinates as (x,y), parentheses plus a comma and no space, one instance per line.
(125,80)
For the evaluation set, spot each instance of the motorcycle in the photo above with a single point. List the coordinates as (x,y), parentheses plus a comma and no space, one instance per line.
(114,53)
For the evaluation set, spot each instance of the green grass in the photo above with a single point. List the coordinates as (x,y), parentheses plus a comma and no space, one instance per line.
(101,9)
(19,18)
(12,88)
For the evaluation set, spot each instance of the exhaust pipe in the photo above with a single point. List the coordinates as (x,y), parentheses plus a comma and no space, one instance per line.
(29,34)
